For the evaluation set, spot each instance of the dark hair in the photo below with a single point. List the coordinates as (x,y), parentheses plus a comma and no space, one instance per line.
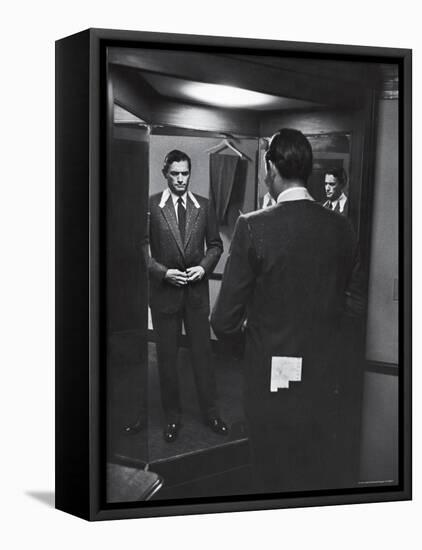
(291,153)
(339,174)
(175,156)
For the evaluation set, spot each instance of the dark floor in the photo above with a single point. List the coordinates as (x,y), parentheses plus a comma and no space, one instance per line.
(228,483)
(194,435)
(200,462)
(127,400)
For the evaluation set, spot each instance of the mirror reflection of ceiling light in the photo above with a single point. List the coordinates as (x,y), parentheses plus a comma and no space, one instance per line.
(226,96)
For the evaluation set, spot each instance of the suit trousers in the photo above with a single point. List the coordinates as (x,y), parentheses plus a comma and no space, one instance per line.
(168,329)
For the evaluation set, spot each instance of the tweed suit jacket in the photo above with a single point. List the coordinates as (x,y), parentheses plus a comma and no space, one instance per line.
(202,246)
(293,272)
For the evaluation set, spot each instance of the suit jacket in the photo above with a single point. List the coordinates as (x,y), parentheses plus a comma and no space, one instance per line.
(293,272)
(202,246)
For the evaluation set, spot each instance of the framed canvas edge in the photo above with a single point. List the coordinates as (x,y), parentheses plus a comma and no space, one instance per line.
(405,267)
(192,40)
(99,511)
(250,505)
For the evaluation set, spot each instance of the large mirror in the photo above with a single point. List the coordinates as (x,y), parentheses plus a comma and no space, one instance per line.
(174,392)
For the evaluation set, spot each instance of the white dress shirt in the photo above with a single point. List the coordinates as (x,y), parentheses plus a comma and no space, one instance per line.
(167,193)
(175,198)
(294,194)
(341,202)
(268,201)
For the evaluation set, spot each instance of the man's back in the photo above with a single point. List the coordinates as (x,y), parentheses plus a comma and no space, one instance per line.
(293,274)
(303,259)
(288,274)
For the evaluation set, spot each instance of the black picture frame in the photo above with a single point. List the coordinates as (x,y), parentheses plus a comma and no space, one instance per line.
(81,129)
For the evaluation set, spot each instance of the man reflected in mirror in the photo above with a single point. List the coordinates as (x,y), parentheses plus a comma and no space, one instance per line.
(185,247)
(335,181)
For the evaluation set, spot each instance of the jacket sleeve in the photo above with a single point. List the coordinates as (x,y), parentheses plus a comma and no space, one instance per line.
(156,270)
(214,244)
(238,282)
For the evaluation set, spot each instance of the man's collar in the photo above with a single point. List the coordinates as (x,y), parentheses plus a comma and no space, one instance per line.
(267,200)
(294,194)
(167,193)
(175,198)
(340,200)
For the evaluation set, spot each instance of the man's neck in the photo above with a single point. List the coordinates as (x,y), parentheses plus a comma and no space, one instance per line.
(334,201)
(297,193)
(178,195)
(286,186)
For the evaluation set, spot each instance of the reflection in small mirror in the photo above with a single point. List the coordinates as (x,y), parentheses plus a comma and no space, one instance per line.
(329,181)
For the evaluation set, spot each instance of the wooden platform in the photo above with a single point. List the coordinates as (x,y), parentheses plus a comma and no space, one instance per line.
(199,460)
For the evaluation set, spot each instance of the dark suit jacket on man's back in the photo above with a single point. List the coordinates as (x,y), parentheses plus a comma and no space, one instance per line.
(293,272)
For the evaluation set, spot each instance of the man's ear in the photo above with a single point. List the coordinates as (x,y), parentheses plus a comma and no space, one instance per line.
(272,168)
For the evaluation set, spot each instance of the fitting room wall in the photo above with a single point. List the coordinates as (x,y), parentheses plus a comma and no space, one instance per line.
(382,340)
(380,404)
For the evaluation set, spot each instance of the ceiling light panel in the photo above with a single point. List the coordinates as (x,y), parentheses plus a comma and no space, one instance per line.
(226,96)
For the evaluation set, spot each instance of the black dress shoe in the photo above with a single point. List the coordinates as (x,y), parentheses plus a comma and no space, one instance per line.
(218,426)
(133,429)
(171,432)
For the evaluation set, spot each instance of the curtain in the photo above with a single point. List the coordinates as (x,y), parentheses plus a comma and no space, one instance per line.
(226,185)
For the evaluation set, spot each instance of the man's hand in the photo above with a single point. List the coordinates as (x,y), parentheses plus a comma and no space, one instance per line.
(195,273)
(176,277)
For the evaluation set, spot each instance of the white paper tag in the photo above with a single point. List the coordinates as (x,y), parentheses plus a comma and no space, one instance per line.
(285,370)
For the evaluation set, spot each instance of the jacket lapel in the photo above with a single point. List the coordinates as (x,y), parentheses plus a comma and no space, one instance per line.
(170,216)
(191,214)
